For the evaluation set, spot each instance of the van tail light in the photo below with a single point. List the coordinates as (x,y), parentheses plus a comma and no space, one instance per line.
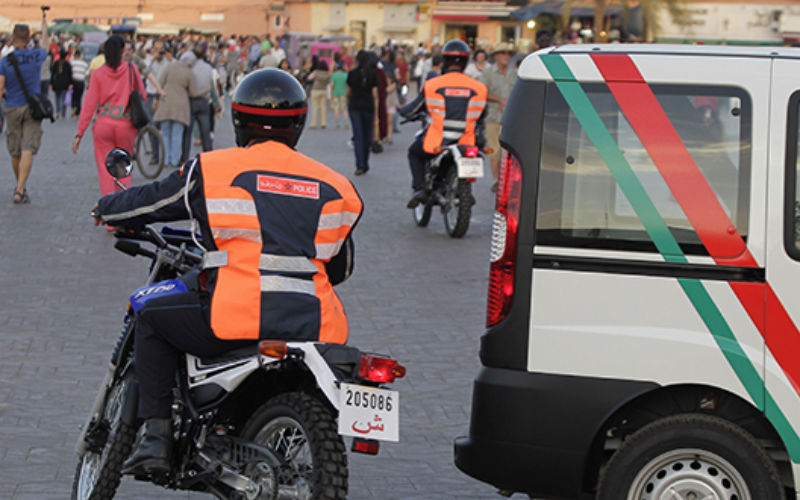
(273,348)
(378,369)
(503,258)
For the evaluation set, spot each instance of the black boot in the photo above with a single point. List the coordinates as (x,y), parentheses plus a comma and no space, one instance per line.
(153,451)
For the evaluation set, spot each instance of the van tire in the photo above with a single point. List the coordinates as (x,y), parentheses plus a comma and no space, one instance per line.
(719,452)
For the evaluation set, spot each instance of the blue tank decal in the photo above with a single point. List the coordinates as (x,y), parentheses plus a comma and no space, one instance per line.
(140,297)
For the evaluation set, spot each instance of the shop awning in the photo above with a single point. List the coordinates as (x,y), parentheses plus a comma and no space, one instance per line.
(471,11)
(398,29)
(790,28)
(556,7)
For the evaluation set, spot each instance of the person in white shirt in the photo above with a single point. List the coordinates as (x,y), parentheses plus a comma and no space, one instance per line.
(80,68)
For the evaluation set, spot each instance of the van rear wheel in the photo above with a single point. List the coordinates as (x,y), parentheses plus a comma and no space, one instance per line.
(690,456)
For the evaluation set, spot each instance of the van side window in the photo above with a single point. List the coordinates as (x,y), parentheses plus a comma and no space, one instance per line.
(792,218)
(579,202)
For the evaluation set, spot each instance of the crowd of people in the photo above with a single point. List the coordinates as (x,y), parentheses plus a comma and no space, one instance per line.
(185,80)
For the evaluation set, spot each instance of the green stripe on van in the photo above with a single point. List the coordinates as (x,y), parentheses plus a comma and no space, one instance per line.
(668,247)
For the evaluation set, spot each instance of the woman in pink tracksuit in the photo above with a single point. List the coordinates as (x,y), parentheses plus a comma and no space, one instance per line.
(110,87)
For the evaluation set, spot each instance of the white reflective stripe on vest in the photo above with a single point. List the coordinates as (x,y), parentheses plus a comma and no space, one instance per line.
(284,284)
(234,206)
(474,114)
(285,263)
(433,101)
(229,233)
(455,124)
(336,220)
(475,104)
(328,250)
(449,134)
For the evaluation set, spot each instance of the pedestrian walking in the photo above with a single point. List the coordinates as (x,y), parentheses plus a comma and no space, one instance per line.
(362,103)
(172,111)
(61,81)
(320,78)
(45,74)
(80,68)
(499,78)
(107,99)
(479,63)
(339,95)
(200,101)
(23,133)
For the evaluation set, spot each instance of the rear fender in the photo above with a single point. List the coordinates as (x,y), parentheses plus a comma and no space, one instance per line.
(322,372)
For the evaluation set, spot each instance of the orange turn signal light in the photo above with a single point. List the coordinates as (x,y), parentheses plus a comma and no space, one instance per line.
(488,151)
(399,371)
(273,348)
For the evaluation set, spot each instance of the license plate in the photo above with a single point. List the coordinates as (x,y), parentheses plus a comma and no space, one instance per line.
(470,167)
(369,412)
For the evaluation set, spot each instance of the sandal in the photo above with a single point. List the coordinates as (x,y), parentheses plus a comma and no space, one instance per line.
(19,197)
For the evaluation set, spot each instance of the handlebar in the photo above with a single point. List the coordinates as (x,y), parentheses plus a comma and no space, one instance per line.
(171,243)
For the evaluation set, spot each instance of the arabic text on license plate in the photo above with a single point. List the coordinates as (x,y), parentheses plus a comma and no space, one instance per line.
(369,412)
(470,167)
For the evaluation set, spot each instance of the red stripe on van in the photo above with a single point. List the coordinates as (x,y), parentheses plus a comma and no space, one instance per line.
(698,201)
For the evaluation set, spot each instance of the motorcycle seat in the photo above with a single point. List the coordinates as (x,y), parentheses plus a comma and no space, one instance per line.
(246,351)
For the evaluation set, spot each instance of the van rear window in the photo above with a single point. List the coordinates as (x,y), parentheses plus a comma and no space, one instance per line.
(579,202)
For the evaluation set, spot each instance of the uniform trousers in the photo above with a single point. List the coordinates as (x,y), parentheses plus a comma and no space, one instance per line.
(109,133)
(167,327)
(418,162)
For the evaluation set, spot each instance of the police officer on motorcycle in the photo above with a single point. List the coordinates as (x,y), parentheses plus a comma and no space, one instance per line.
(455,103)
(276,229)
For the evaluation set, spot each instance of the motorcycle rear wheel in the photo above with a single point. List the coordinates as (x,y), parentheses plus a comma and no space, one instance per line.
(97,476)
(457,208)
(302,432)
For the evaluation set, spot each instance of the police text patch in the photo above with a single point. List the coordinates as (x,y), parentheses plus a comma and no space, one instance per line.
(291,187)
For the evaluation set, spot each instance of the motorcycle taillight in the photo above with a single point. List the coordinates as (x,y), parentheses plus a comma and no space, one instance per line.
(378,369)
(471,151)
(505,227)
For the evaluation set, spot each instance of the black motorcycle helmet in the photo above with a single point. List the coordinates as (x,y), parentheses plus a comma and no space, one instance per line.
(455,52)
(269,104)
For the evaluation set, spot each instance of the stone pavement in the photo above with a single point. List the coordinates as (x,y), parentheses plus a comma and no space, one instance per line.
(416,295)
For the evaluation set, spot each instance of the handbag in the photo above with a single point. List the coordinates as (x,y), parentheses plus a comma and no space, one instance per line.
(40,105)
(136,107)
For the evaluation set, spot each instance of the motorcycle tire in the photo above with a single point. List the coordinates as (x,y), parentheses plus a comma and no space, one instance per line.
(422,214)
(458,205)
(304,433)
(97,476)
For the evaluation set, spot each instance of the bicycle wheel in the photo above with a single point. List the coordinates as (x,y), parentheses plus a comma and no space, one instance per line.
(149,151)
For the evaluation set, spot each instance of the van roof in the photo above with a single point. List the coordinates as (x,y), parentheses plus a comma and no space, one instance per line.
(676,49)
(533,68)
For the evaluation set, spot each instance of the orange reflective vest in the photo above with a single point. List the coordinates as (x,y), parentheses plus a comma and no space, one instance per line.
(276,217)
(455,102)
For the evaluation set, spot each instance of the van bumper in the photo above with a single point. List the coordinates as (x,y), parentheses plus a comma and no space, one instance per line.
(533,432)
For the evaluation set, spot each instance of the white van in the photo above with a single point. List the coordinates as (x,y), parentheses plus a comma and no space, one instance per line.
(642,327)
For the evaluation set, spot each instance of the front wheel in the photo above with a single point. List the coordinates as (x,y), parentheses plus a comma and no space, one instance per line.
(149,151)
(457,207)
(303,433)
(690,456)
(422,214)
(98,475)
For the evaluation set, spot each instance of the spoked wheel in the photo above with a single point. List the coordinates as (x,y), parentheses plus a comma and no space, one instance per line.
(303,432)
(422,214)
(149,151)
(457,206)
(98,474)
(690,456)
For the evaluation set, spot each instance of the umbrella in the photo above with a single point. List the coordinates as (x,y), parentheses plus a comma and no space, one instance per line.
(73,28)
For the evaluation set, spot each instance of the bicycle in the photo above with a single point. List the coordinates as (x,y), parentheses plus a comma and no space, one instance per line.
(149,151)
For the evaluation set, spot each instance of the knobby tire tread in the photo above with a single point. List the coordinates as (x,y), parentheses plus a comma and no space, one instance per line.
(110,476)
(329,479)
(464,195)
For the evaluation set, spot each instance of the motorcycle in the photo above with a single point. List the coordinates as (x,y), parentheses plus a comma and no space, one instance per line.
(448,184)
(263,422)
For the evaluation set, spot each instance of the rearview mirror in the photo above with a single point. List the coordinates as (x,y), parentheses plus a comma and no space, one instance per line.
(119,163)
